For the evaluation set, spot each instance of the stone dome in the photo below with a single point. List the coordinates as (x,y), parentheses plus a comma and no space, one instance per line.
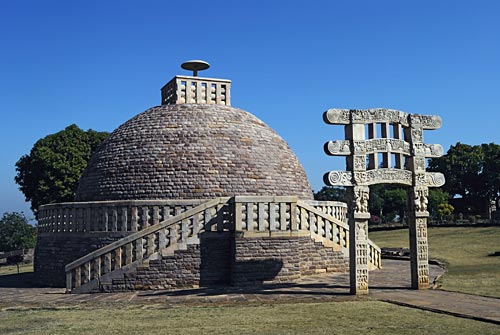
(192,151)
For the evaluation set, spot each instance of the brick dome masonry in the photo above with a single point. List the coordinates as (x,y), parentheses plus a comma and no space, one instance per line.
(192,151)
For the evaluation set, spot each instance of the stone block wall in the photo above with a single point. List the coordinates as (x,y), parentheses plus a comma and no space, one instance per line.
(206,264)
(54,251)
(259,260)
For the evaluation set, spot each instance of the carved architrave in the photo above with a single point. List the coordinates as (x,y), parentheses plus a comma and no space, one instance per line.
(338,178)
(380,176)
(381,145)
(337,116)
(428,150)
(434,179)
(338,148)
(426,121)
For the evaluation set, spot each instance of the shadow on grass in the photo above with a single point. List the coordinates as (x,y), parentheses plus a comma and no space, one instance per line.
(310,289)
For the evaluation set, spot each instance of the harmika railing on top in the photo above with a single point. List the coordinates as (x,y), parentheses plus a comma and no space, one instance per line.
(170,234)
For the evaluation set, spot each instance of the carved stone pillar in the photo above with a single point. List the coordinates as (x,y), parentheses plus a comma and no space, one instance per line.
(418,199)
(358,197)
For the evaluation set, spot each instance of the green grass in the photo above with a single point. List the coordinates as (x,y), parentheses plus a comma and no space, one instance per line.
(358,317)
(12,269)
(465,251)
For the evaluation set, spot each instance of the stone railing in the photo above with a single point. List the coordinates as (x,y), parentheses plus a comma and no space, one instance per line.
(196,90)
(108,216)
(324,227)
(149,243)
(265,215)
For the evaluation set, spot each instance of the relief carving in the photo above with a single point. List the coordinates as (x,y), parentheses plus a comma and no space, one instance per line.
(420,199)
(337,116)
(379,176)
(361,197)
(359,162)
(338,178)
(341,148)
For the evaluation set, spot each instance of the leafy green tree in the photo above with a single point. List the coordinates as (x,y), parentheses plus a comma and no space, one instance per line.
(388,201)
(331,193)
(437,197)
(16,233)
(472,173)
(461,166)
(51,171)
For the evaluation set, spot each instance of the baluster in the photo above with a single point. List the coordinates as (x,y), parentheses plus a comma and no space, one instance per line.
(196,225)
(283,222)
(78,277)
(118,258)
(272,216)
(293,216)
(312,227)
(144,218)
(97,268)
(328,230)
(124,225)
(134,218)
(238,216)
(129,257)
(162,240)
(150,244)
(86,272)
(139,251)
(336,234)
(105,219)
(107,263)
(208,219)
(261,224)
(114,219)
(156,215)
(250,216)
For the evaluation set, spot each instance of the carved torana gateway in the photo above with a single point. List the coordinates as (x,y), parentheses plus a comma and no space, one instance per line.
(384,146)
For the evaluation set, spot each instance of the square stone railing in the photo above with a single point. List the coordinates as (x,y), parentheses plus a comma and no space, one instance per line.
(196,90)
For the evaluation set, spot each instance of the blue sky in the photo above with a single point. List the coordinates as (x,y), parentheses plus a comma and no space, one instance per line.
(99,63)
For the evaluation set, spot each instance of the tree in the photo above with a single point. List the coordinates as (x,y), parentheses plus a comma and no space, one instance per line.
(461,166)
(16,233)
(388,201)
(437,198)
(472,173)
(51,171)
(331,193)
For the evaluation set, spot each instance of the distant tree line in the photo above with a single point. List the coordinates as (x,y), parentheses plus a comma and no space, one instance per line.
(472,184)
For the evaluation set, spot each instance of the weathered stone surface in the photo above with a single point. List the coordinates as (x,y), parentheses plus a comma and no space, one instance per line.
(191,151)
(54,251)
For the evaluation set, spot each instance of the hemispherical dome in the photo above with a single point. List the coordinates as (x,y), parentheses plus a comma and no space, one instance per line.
(192,151)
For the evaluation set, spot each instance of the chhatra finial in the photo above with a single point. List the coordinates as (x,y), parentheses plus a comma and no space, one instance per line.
(195,66)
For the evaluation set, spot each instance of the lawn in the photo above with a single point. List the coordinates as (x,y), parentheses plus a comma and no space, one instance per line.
(355,317)
(12,269)
(471,256)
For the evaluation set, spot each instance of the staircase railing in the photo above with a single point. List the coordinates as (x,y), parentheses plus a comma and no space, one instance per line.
(124,254)
(331,231)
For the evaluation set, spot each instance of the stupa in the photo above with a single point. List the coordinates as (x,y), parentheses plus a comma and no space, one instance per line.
(192,192)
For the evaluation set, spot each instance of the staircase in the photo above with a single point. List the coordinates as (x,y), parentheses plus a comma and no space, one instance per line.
(89,273)
(255,215)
